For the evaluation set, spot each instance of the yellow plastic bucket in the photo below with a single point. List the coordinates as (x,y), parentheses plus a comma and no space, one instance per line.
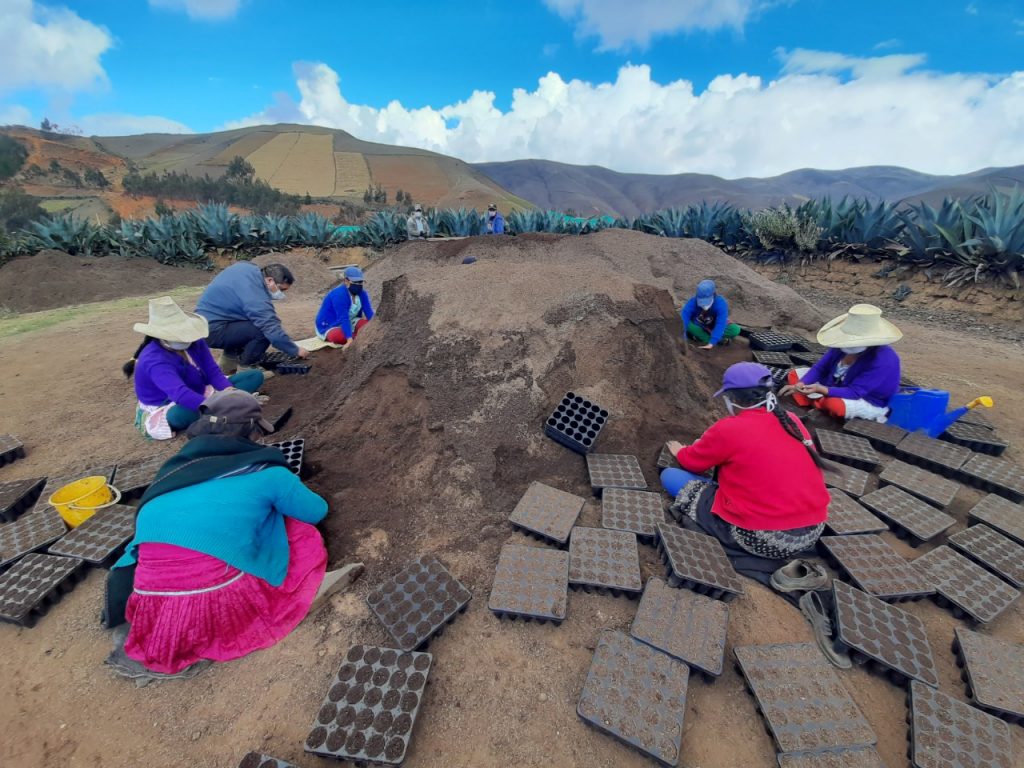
(78,501)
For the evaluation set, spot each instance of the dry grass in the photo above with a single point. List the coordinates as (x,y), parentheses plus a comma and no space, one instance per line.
(308,167)
(351,174)
(244,147)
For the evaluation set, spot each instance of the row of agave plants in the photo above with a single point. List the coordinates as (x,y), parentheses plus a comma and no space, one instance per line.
(968,238)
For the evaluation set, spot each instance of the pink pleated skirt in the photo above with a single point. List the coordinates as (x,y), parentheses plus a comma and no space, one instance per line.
(188,606)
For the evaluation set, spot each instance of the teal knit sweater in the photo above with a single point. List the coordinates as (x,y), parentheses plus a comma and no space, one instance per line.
(238,519)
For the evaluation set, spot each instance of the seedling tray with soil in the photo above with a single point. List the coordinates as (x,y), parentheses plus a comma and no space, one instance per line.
(848,449)
(805,358)
(293,451)
(850,479)
(666,459)
(994,475)
(547,513)
(697,561)
(132,479)
(976,416)
(773,359)
(604,560)
(637,695)
(370,709)
(936,455)
(258,760)
(28,533)
(975,437)
(683,624)
(864,757)
(100,538)
(946,733)
(926,485)
(884,437)
(608,470)
(272,359)
(11,449)
(1000,514)
(800,696)
(576,423)
(300,369)
(987,547)
(806,345)
(965,586)
(846,516)
(19,496)
(993,671)
(34,584)
(530,583)
(870,563)
(772,341)
(910,517)
(638,512)
(54,484)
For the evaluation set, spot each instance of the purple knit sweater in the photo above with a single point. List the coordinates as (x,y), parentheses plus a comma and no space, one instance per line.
(874,375)
(163,376)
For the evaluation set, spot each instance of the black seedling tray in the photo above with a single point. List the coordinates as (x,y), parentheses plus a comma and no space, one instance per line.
(608,470)
(994,673)
(884,437)
(1000,514)
(683,624)
(19,496)
(805,358)
(605,561)
(864,757)
(547,513)
(910,517)
(946,733)
(28,533)
(999,554)
(936,455)
(259,760)
(964,585)
(846,516)
(697,561)
(415,605)
(800,696)
(11,449)
(576,423)
(634,511)
(976,416)
(771,341)
(371,707)
(850,479)
(278,417)
(530,583)
(779,377)
(976,437)
(848,449)
(637,695)
(300,369)
(274,358)
(293,451)
(34,584)
(132,479)
(874,566)
(666,459)
(994,475)
(100,537)
(54,484)
(773,359)
(805,345)
(926,485)
(873,629)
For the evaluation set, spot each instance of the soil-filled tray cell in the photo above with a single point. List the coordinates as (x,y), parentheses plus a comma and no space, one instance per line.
(975,437)
(846,516)
(416,604)
(850,479)
(636,511)
(666,459)
(965,584)
(33,584)
(995,475)
(993,672)
(863,757)
(874,566)
(132,479)
(99,537)
(908,514)
(884,437)
(29,532)
(1000,514)
(19,496)
(637,694)
(299,369)
(946,733)
(604,559)
(259,760)
(576,423)
(293,451)
(933,488)
(772,341)
(371,705)
(848,449)
(773,359)
(889,635)
(937,455)
(989,548)
(697,561)
(802,699)
(11,449)
(547,513)
(531,583)
(805,358)
(683,624)
(54,484)
(609,470)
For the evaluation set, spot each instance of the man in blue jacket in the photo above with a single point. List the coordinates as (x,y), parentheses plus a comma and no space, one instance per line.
(495,221)
(706,317)
(345,309)
(239,305)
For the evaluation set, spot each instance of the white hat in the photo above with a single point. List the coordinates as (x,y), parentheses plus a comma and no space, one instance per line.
(862,326)
(168,322)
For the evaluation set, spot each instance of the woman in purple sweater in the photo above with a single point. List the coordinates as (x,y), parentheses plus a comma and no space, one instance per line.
(175,372)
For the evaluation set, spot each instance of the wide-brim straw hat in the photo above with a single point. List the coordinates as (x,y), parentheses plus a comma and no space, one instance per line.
(168,322)
(862,326)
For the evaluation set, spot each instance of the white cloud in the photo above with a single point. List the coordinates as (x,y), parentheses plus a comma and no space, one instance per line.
(49,48)
(881,113)
(971,9)
(14,114)
(892,42)
(203,10)
(119,124)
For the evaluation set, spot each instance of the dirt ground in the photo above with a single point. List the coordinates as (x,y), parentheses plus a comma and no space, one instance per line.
(422,437)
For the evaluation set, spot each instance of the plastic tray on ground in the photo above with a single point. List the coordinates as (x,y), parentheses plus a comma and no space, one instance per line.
(259,760)
(547,513)
(133,478)
(805,358)
(806,345)
(19,496)
(637,694)
(11,449)
(975,437)
(989,548)
(28,533)
(415,605)
(946,733)
(697,561)
(874,566)
(100,537)
(370,709)
(850,479)
(846,516)
(666,459)
(274,358)
(976,416)
(35,583)
(54,484)
(683,624)
(848,449)
(299,369)
(926,485)
(995,475)
(802,699)
(773,359)
(772,341)
(609,470)
(638,512)
(530,583)
(937,455)
(293,451)
(1001,515)
(779,377)
(993,671)
(965,586)
(884,437)
(911,518)
(576,423)
(604,560)
(863,757)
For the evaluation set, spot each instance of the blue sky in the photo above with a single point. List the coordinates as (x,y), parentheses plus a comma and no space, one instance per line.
(641,85)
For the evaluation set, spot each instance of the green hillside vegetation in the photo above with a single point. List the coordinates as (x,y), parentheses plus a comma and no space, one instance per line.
(12,156)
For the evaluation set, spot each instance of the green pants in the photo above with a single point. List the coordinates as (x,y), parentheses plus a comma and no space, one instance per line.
(695,331)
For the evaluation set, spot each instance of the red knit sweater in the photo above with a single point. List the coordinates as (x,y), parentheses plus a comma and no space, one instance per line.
(766,479)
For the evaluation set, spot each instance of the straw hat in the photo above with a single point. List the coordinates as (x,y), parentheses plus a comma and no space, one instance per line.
(168,322)
(862,326)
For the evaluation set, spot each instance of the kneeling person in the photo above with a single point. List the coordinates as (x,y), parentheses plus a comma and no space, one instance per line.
(345,309)
(706,317)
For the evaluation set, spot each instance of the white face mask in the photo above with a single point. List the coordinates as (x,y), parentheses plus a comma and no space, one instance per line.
(177,346)
(852,350)
(418,214)
(769,402)
(277,295)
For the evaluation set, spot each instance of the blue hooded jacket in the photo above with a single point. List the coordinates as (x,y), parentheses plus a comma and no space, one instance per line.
(335,308)
(719,309)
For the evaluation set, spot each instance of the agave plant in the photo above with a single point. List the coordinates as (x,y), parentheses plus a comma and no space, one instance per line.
(999,233)
(70,234)
(314,230)
(216,225)
(173,240)
(276,231)
(385,228)
(460,223)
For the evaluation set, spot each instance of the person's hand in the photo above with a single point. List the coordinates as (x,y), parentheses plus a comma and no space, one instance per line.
(303,353)
(788,389)
(811,389)
(674,447)
(707,346)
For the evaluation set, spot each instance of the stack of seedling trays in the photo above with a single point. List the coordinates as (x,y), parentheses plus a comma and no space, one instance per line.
(19,496)
(34,584)
(934,489)
(936,455)
(848,449)
(846,516)
(11,449)
(576,423)
(101,538)
(868,561)
(293,451)
(604,561)
(530,583)
(993,671)
(609,470)
(772,341)
(976,437)
(946,733)
(994,475)
(279,362)
(987,547)
(697,561)
(965,587)
(547,513)
(910,518)
(1001,515)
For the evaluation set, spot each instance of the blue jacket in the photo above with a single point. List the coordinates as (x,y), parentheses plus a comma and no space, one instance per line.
(237,519)
(335,308)
(496,227)
(239,293)
(719,309)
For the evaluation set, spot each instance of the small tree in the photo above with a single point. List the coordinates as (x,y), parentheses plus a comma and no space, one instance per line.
(239,168)
(46,126)
(308,200)
(399,196)
(55,167)
(96,178)
(162,209)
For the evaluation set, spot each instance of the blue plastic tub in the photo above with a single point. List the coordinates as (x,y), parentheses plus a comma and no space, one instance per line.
(915,408)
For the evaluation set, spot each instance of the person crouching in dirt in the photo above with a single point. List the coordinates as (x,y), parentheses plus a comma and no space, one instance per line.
(175,371)
(859,374)
(345,309)
(495,223)
(416,225)
(227,556)
(706,317)
(239,305)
